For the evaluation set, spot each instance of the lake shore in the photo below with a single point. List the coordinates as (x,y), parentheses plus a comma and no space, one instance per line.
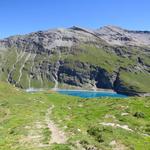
(68,89)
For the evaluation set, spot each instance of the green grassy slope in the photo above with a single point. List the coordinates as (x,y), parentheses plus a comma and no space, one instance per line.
(100,57)
(139,80)
(133,74)
(23,126)
(9,64)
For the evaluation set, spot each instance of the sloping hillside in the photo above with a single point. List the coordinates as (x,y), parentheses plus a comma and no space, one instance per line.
(43,121)
(109,58)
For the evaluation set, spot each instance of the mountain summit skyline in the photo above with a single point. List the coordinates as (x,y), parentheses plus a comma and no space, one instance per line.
(32,15)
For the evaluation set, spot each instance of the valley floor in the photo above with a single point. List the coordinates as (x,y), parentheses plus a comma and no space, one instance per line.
(51,121)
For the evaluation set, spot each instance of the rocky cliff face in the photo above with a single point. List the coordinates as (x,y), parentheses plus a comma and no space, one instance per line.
(110,58)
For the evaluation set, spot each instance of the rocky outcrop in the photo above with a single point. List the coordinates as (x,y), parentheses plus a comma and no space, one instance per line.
(120,87)
(85,74)
(118,36)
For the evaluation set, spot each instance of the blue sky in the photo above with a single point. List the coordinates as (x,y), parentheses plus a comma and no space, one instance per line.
(24,16)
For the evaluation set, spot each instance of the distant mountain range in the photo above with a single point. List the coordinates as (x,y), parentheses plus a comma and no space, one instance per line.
(108,58)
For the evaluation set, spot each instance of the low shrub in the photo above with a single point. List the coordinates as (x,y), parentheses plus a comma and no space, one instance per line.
(96,132)
(139,115)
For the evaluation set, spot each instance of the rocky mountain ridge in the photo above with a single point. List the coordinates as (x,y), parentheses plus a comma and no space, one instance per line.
(109,58)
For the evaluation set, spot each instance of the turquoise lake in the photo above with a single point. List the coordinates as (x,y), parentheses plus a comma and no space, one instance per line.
(90,94)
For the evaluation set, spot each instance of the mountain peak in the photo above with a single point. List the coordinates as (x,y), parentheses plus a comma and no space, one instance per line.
(115,35)
(112,28)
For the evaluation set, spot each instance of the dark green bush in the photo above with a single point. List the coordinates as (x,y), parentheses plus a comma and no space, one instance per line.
(96,132)
(99,138)
(139,115)
(84,142)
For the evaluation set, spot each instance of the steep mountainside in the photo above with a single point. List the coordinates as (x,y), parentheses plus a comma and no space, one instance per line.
(109,58)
